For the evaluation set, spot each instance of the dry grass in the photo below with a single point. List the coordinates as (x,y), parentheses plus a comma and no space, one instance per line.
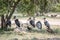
(30,35)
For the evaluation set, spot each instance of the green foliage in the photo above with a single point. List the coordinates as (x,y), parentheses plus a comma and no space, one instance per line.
(56,8)
(3,6)
(30,6)
(43,5)
(26,6)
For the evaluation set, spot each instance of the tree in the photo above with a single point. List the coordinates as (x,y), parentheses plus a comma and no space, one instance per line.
(7,6)
(29,7)
(26,6)
(43,6)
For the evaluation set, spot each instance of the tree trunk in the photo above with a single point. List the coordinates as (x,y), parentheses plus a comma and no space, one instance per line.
(11,13)
(2,22)
(13,9)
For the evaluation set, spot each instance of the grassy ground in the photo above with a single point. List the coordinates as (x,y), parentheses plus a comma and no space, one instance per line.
(34,34)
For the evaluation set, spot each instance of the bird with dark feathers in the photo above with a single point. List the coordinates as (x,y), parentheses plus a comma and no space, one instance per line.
(50,31)
(48,26)
(8,23)
(29,28)
(32,23)
(39,25)
(17,22)
(46,23)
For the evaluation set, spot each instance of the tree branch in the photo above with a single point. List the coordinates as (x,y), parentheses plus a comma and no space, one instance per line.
(13,9)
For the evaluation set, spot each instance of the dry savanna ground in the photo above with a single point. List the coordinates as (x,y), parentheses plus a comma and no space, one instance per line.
(34,34)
